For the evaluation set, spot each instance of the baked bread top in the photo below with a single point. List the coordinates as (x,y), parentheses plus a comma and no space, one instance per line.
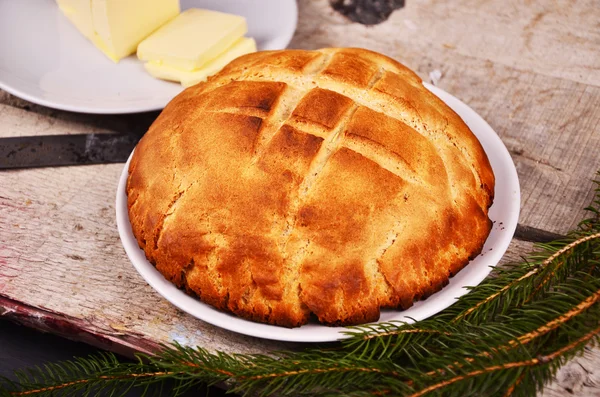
(325,182)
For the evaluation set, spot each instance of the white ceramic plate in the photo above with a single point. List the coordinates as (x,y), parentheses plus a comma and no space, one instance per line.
(45,60)
(504,211)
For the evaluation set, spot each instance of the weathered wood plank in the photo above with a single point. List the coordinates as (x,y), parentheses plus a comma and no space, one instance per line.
(579,377)
(516,251)
(19,117)
(552,38)
(18,122)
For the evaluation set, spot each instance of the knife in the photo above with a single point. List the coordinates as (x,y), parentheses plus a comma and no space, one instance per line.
(62,150)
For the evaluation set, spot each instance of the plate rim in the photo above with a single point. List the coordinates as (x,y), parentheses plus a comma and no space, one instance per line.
(242,326)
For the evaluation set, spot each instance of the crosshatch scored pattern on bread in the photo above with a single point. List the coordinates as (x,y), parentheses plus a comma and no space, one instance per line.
(295,183)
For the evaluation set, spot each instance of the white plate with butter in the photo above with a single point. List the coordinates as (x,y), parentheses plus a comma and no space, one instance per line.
(46,60)
(504,213)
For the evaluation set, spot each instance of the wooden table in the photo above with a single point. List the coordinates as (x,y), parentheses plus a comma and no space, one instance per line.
(530,68)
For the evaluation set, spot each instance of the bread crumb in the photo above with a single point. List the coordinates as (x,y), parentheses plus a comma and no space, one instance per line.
(435,76)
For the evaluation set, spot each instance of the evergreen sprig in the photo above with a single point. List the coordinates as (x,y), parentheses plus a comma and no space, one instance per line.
(508,336)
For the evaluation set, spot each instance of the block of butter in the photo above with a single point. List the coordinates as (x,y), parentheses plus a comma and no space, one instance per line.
(187,78)
(193,39)
(117,26)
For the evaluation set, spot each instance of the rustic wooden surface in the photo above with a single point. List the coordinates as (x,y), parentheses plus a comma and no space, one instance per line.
(530,68)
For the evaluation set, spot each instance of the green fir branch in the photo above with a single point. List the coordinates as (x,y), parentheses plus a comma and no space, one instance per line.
(507,337)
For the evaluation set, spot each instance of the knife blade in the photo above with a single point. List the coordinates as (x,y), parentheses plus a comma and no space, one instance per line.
(62,150)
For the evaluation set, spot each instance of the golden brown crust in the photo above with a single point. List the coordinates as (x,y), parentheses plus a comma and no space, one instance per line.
(325,182)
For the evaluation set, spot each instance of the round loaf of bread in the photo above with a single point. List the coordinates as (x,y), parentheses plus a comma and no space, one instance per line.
(324,183)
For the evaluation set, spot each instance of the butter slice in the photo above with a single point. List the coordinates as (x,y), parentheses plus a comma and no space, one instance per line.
(116,27)
(188,78)
(193,39)
(79,12)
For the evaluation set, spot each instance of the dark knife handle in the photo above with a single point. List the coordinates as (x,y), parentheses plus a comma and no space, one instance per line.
(62,150)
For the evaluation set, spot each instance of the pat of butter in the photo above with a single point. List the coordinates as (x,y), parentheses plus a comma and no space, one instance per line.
(188,78)
(193,39)
(117,26)
(79,13)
